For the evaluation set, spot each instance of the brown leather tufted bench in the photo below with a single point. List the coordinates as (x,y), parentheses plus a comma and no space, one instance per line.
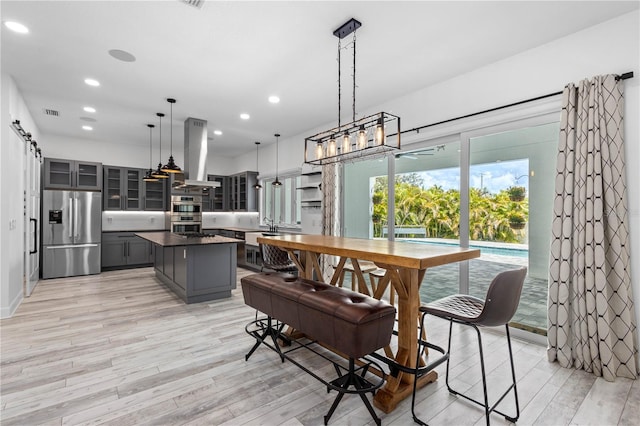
(349,322)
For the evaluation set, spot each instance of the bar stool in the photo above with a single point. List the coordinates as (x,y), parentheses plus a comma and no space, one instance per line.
(497,309)
(276,259)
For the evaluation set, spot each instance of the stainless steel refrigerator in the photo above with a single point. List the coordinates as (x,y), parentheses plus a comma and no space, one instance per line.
(71,233)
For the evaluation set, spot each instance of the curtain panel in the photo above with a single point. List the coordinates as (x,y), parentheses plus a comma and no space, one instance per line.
(591,324)
(330,209)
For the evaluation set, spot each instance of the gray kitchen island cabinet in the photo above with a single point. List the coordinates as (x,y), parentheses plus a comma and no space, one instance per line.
(195,269)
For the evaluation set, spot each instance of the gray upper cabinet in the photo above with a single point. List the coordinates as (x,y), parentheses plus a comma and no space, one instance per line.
(242,193)
(122,188)
(155,195)
(72,174)
(216,199)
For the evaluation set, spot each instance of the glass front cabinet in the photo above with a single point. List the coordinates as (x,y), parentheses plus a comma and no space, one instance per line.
(72,174)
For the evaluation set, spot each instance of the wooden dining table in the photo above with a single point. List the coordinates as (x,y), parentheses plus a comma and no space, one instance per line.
(405,264)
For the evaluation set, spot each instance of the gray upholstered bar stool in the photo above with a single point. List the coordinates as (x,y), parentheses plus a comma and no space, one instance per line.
(496,309)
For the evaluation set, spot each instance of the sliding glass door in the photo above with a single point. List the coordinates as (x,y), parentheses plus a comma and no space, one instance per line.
(511,184)
(490,189)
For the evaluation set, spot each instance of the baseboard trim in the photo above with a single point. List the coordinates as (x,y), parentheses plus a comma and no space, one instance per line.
(8,311)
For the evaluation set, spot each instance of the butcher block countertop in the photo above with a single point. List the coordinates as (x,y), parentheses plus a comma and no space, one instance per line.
(169,239)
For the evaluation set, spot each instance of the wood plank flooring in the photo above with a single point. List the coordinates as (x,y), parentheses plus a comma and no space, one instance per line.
(119,348)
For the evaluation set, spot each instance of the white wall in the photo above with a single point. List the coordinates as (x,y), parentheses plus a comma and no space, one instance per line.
(12,190)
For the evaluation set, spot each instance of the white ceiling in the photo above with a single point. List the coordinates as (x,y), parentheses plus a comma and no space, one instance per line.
(228,57)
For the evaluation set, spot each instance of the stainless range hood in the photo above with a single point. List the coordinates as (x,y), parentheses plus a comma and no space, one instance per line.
(195,157)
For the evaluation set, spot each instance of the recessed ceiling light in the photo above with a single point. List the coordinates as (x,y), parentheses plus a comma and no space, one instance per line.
(17,27)
(122,55)
(245,116)
(217,132)
(92,82)
(89,109)
(87,128)
(274,99)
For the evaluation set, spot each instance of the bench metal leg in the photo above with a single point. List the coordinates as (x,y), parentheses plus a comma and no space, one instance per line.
(351,378)
(269,330)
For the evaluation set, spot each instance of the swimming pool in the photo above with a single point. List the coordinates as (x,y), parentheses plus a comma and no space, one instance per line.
(500,251)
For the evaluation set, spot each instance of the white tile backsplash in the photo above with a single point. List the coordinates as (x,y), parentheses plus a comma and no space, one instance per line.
(159,221)
(134,221)
(230,219)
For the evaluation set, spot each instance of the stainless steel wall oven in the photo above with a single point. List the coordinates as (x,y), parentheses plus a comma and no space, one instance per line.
(186,213)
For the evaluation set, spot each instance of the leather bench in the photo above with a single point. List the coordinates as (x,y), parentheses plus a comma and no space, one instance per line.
(351,323)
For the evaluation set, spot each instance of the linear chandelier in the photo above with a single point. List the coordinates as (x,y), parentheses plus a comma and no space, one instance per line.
(366,137)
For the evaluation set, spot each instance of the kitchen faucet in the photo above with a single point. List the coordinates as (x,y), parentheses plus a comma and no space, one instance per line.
(272,226)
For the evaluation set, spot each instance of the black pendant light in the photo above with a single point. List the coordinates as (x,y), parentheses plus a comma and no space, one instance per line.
(257,185)
(158,173)
(148,177)
(276,182)
(171,166)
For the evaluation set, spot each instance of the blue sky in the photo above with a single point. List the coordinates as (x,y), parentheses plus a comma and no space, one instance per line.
(493,176)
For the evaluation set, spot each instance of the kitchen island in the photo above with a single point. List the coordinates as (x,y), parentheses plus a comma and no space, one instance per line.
(197,269)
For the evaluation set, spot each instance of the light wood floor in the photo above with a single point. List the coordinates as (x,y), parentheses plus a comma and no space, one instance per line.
(118,348)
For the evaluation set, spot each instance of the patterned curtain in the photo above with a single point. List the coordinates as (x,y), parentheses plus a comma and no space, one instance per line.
(591,318)
(330,209)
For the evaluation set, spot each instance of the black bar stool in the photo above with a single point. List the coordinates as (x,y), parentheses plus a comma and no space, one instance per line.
(276,259)
(499,306)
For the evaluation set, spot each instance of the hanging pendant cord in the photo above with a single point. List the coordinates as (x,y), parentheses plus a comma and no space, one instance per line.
(160,129)
(339,83)
(171,128)
(354,76)
(150,150)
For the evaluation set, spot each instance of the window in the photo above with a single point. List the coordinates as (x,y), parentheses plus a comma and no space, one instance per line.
(282,203)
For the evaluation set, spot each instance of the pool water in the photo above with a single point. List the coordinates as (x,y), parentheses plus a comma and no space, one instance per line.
(500,251)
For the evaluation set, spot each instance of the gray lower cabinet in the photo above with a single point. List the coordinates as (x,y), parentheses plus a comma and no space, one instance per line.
(253,259)
(180,266)
(197,273)
(123,250)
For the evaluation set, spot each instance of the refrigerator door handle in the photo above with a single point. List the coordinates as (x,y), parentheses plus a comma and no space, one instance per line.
(68,246)
(75,218)
(70,217)
(35,235)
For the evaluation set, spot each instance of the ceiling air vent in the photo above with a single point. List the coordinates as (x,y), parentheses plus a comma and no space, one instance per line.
(51,112)
(195,3)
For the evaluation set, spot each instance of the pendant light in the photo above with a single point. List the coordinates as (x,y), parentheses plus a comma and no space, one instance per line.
(148,177)
(171,166)
(276,182)
(257,185)
(158,173)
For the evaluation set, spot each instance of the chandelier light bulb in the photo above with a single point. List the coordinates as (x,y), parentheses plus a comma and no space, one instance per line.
(346,143)
(319,151)
(362,137)
(331,147)
(379,135)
